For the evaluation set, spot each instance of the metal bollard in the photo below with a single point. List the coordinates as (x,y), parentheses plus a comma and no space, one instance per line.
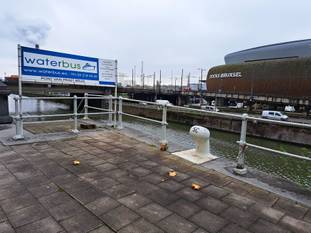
(75,114)
(19,134)
(120,124)
(163,142)
(110,110)
(240,168)
(86,104)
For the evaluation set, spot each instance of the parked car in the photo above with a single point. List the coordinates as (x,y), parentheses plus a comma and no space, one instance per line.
(274,115)
(163,102)
(289,108)
(210,108)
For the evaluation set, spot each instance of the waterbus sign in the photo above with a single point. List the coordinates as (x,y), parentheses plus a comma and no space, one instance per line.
(43,66)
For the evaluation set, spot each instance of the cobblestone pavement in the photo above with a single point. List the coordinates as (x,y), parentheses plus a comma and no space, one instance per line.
(122,186)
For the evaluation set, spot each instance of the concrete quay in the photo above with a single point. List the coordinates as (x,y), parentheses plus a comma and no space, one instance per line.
(122,185)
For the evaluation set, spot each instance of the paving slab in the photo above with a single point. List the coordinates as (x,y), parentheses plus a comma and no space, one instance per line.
(46,225)
(102,205)
(154,212)
(134,201)
(119,217)
(238,216)
(210,222)
(265,226)
(27,215)
(184,208)
(141,226)
(177,224)
(82,222)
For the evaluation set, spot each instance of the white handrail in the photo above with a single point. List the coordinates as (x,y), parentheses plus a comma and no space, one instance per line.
(142,118)
(277,151)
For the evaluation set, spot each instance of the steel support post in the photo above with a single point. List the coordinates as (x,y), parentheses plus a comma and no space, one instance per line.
(86,105)
(240,168)
(115,113)
(120,123)
(75,114)
(19,134)
(110,111)
(163,142)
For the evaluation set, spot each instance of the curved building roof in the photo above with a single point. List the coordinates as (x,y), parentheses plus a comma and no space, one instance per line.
(287,50)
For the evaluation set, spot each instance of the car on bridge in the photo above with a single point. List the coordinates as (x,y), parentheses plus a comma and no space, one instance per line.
(274,115)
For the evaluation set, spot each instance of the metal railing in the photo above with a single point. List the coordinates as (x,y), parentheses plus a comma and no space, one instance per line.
(163,122)
(243,144)
(19,116)
(115,113)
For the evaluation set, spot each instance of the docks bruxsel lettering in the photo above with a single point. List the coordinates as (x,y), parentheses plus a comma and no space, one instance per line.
(227,75)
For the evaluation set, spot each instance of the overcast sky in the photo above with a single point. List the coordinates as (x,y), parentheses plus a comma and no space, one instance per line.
(167,35)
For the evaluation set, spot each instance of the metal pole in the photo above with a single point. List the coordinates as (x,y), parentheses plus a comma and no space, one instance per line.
(86,105)
(175,88)
(19,120)
(115,95)
(141,74)
(201,78)
(160,82)
(120,124)
(110,110)
(75,114)
(181,79)
(171,79)
(16,105)
(18,129)
(240,168)
(154,81)
(163,142)
(132,78)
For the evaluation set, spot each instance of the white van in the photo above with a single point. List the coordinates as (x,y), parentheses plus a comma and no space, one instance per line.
(274,115)
(163,102)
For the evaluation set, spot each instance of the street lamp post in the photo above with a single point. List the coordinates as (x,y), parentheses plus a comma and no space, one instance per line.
(200,83)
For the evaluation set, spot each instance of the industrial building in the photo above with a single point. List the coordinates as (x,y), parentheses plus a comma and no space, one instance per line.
(272,73)
(287,50)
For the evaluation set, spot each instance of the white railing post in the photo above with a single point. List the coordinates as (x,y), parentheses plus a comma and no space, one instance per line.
(120,123)
(240,168)
(18,119)
(75,114)
(110,111)
(86,105)
(115,113)
(163,142)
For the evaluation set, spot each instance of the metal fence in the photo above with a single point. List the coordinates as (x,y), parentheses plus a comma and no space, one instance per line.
(115,113)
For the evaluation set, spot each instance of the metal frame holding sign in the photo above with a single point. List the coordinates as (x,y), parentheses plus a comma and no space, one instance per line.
(43,66)
(49,67)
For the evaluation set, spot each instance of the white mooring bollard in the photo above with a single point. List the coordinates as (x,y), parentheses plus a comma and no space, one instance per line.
(201,153)
(201,137)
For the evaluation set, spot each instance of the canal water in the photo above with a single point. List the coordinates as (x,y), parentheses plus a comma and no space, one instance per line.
(223,144)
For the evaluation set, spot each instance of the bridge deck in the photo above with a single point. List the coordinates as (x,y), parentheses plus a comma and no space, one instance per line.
(122,185)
